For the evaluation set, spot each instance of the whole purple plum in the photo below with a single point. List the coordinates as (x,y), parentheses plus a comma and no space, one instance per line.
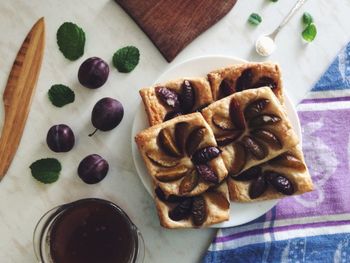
(93,169)
(60,138)
(93,73)
(107,114)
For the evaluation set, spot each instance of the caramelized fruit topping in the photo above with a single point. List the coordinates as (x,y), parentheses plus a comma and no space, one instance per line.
(189,182)
(239,160)
(187,97)
(171,174)
(258,150)
(199,210)
(255,108)
(245,80)
(236,115)
(222,122)
(166,143)
(171,198)
(171,114)
(281,183)
(194,140)
(226,88)
(168,97)
(218,199)
(205,154)
(265,119)
(269,138)
(181,132)
(265,82)
(181,211)
(288,160)
(250,174)
(162,160)
(207,173)
(257,187)
(228,137)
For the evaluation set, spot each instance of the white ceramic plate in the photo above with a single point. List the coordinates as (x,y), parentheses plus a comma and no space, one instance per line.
(240,213)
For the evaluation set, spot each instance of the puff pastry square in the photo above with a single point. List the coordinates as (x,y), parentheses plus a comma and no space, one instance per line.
(159,110)
(209,208)
(171,151)
(251,127)
(265,181)
(243,76)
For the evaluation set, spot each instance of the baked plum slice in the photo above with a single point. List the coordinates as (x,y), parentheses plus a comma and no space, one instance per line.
(236,115)
(195,139)
(257,149)
(245,80)
(222,122)
(189,182)
(167,144)
(255,108)
(288,160)
(257,187)
(264,120)
(280,182)
(171,174)
(269,138)
(162,160)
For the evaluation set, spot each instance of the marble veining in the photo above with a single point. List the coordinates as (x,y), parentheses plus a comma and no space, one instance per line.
(23,200)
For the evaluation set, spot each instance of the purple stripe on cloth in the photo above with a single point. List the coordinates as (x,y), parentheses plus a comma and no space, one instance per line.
(326,146)
(322,100)
(279,229)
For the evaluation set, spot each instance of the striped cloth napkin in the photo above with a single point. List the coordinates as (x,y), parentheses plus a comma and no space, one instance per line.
(314,227)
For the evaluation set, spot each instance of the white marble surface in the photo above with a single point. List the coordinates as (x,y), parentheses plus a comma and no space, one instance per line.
(23,200)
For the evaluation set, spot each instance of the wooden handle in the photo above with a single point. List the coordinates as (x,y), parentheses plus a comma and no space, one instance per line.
(19,92)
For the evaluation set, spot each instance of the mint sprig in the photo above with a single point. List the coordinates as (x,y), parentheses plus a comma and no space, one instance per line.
(254,19)
(61,95)
(309,33)
(46,170)
(126,59)
(307,19)
(71,40)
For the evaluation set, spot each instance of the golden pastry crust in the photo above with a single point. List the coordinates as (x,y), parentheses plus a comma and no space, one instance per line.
(146,141)
(301,179)
(217,208)
(282,129)
(156,110)
(232,73)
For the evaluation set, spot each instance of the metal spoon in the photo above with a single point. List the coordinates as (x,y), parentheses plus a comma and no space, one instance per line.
(265,44)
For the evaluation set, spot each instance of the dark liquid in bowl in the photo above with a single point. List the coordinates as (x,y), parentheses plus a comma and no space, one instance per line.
(91,231)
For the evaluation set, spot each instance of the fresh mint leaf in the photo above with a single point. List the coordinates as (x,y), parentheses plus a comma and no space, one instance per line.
(309,33)
(46,170)
(307,19)
(71,40)
(273,0)
(254,19)
(126,59)
(61,95)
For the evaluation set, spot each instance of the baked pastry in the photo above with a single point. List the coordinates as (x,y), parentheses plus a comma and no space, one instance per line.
(206,209)
(285,175)
(229,80)
(181,155)
(168,100)
(250,127)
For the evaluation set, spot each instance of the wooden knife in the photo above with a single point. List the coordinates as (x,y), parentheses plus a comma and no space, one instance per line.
(19,92)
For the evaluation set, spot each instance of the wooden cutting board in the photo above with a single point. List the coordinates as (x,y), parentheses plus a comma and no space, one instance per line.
(173,24)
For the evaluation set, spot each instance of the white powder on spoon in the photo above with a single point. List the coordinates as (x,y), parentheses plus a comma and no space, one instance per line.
(265,46)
